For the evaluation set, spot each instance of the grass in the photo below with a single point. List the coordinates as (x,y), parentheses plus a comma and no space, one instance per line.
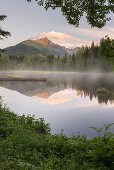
(15,76)
(27,144)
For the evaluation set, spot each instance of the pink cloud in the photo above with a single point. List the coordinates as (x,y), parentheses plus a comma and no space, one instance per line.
(63,39)
(58,36)
(75,42)
(80,42)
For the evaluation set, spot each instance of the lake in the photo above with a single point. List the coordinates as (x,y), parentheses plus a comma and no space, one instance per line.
(68,101)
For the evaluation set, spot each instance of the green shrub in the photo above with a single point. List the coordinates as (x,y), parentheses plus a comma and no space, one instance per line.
(26,144)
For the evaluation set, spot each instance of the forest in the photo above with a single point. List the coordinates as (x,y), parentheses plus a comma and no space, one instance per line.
(98,57)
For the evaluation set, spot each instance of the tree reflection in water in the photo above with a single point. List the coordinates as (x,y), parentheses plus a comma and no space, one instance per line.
(85,84)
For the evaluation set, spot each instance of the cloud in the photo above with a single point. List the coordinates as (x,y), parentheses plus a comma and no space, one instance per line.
(81,42)
(69,41)
(96,32)
(75,42)
(58,36)
(65,39)
(67,44)
(93,34)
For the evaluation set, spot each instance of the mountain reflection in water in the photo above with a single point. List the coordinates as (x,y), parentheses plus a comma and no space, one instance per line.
(71,113)
(59,97)
(68,95)
(67,101)
(85,84)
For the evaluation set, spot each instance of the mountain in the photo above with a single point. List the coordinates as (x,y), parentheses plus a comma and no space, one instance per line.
(72,51)
(40,47)
(45,41)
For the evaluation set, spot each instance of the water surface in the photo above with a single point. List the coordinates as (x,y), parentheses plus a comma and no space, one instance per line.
(68,101)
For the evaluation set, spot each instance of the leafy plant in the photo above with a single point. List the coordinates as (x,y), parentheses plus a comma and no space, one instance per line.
(26,143)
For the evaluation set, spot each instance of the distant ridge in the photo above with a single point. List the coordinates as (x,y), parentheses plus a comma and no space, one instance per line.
(40,47)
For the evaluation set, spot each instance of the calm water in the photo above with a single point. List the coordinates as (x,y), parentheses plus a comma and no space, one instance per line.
(67,101)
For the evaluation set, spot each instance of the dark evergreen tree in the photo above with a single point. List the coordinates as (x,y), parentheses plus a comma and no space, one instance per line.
(107,50)
(3,34)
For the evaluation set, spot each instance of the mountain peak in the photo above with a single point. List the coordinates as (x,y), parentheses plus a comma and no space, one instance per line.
(44,41)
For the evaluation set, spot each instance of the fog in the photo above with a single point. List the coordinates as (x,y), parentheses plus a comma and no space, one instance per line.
(51,74)
(68,77)
(68,100)
(85,82)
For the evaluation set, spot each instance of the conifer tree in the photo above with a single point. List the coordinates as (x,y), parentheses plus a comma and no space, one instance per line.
(3,34)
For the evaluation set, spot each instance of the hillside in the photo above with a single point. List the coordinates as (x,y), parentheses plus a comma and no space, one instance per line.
(40,47)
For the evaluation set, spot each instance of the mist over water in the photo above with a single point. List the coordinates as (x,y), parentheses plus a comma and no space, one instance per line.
(69,101)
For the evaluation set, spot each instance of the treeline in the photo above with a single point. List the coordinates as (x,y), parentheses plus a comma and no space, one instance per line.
(91,58)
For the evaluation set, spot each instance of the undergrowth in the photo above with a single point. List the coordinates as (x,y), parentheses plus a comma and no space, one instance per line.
(27,144)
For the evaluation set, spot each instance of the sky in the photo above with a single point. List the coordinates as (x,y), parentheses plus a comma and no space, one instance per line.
(30,21)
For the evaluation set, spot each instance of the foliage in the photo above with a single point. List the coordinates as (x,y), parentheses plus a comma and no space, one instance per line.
(26,143)
(96,10)
(107,50)
(3,34)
